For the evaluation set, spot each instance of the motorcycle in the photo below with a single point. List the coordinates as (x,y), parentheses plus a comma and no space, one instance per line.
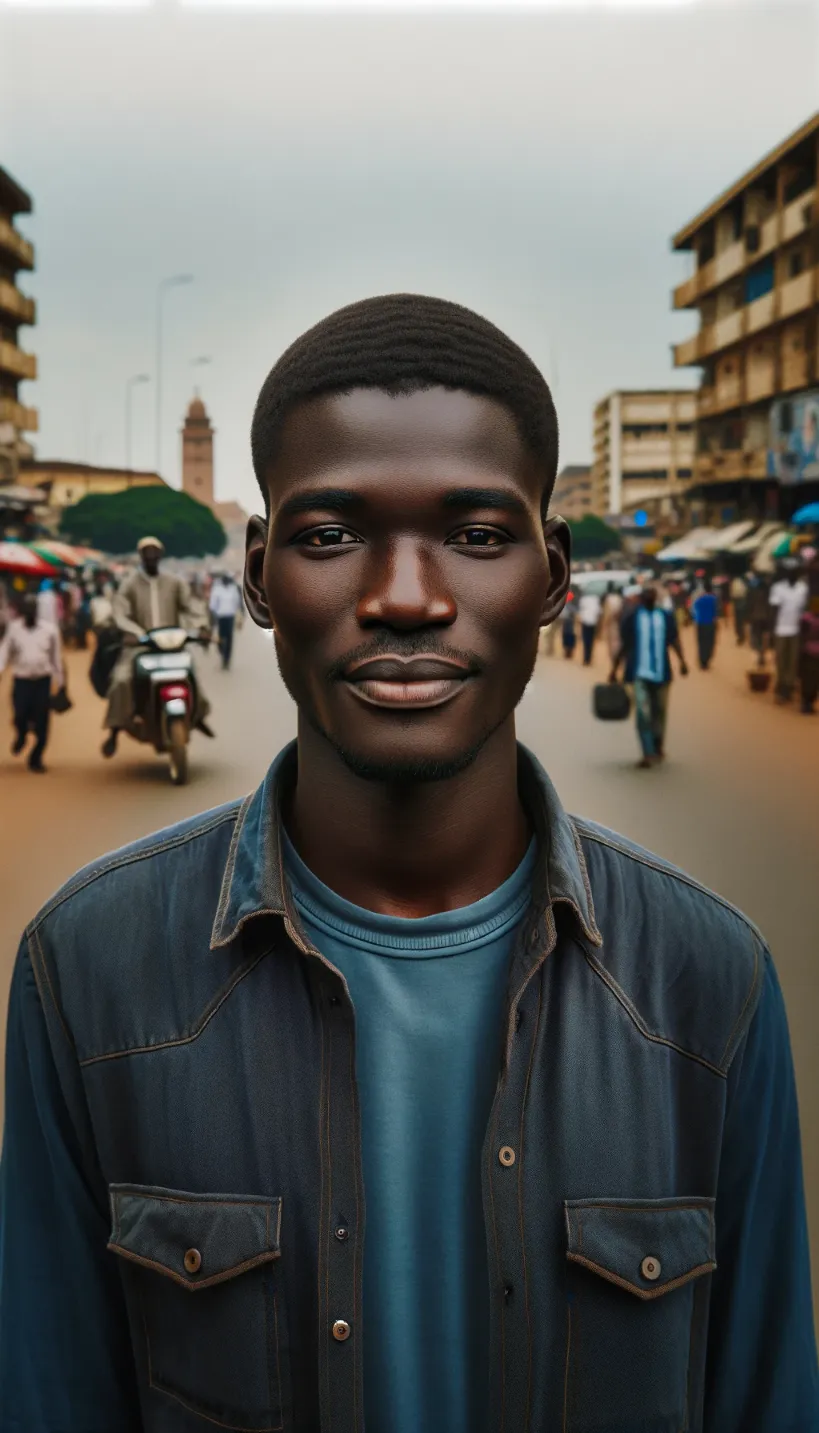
(165,695)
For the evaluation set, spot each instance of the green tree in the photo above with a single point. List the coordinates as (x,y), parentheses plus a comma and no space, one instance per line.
(592,537)
(114,523)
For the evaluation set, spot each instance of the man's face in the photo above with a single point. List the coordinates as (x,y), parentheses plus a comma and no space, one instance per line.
(649,598)
(28,609)
(150,560)
(405,572)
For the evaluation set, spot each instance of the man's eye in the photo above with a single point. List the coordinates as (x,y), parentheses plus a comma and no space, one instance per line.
(479,537)
(327,537)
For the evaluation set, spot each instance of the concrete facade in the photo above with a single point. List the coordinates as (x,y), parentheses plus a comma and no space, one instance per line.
(755,288)
(643,452)
(16,311)
(197,454)
(572,493)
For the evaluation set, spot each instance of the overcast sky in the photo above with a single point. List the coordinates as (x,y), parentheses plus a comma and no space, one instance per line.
(531,166)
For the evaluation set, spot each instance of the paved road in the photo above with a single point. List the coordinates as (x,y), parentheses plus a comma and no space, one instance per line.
(736,804)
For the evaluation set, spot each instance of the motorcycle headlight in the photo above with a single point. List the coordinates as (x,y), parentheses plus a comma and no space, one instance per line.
(169,639)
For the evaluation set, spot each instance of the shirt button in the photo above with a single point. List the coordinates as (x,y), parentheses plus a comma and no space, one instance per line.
(342,1233)
(651,1268)
(341,1330)
(193,1261)
(506,1155)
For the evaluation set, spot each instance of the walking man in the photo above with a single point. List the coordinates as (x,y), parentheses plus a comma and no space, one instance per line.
(789,598)
(739,603)
(649,632)
(225,605)
(32,647)
(393,1096)
(589,608)
(612,619)
(705,612)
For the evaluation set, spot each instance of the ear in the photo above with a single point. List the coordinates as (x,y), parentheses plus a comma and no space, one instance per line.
(253,584)
(558,541)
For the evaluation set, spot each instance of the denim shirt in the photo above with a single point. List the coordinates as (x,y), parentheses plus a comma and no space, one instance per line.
(183,1204)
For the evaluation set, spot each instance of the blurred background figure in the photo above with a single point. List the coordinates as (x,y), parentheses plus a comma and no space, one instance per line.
(759,613)
(31,647)
(225,606)
(48,605)
(704,610)
(568,628)
(612,616)
(649,632)
(809,650)
(788,598)
(739,603)
(589,609)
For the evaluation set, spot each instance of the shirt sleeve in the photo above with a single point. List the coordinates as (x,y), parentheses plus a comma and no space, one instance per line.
(66,1364)
(762,1370)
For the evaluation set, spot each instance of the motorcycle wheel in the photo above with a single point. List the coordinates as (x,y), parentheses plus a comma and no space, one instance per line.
(178,750)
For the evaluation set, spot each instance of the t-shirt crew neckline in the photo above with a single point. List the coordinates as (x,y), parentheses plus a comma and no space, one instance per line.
(447,932)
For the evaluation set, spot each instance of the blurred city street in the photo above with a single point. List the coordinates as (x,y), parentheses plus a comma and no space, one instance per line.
(735,804)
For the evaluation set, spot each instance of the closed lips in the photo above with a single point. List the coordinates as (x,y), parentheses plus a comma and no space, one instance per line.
(416,681)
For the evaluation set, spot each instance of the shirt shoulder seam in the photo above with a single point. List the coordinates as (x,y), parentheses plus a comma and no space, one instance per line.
(126,858)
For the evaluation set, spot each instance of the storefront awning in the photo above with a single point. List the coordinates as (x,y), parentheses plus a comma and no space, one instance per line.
(688,548)
(725,537)
(754,540)
(764,558)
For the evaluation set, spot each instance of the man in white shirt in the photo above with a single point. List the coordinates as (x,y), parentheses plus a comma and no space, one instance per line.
(225,605)
(589,609)
(789,598)
(48,609)
(32,647)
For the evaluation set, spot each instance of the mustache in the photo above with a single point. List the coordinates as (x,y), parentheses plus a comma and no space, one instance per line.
(397,644)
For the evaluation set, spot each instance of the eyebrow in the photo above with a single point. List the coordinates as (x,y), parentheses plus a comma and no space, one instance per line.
(343,500)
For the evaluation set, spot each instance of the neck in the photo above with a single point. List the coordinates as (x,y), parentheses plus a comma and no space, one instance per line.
(409,850)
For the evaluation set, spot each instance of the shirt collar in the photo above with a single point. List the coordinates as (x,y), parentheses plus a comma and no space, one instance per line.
(254,883)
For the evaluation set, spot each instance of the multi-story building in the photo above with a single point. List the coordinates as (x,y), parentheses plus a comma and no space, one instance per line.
(756,287)
(643,454)
(64,484)
(16,310)
(572,493)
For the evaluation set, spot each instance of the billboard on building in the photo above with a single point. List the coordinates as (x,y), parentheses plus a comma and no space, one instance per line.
(793,455)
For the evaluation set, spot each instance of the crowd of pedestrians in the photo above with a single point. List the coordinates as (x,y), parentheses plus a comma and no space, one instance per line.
(640,625)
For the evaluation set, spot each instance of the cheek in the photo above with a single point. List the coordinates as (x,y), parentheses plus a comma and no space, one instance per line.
(511,598)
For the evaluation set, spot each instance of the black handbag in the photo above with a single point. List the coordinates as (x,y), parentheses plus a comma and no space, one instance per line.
(611,701)
(61,701)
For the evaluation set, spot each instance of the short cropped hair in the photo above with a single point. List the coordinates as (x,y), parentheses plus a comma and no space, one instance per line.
(402,343)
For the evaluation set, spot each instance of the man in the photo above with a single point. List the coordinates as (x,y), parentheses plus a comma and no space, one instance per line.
(649,632)
(589,608)
(612,619)
(48,606)
(758,609)
(145,600)
(32,646)
(739,603)
(704,610)
(400,1098)
(789,598)
(225,604)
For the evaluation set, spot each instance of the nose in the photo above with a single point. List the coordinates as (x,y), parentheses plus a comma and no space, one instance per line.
(405,590)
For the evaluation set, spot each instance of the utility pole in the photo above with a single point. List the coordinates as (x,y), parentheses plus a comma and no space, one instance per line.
(129,388)
(174,282)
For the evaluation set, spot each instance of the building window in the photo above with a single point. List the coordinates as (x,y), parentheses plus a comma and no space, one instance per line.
(759,280)
(651,475)
(639,430)
(685,427)
(684,472)
(796,264)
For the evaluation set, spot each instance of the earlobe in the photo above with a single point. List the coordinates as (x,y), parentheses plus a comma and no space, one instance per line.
(253,586)
(558,540)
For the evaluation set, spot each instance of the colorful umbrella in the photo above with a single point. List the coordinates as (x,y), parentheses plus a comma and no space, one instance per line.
(14,557)
(808,514)
(61,554)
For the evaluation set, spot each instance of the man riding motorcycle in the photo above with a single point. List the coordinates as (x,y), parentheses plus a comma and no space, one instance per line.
(148,599)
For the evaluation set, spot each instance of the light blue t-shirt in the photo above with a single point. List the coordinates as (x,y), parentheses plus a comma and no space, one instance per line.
(650,665)
(429,999)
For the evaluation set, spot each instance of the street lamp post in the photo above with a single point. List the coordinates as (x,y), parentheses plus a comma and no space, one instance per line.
(201,362)
(129,387)
(170,283)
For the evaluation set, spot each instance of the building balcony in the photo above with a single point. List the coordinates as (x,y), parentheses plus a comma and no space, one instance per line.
(688,351)
(729,466)
(761,313)
(15,304)
(25,420)
(798,215)
(797,294)
(21,251)
(760,382)
(13,360)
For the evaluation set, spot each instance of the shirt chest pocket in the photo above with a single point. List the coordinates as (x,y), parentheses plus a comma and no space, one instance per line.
(637,1311)
(204,1268)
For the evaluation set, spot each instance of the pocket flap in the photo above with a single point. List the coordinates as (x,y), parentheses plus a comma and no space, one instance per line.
(648,1246)
(195,1239)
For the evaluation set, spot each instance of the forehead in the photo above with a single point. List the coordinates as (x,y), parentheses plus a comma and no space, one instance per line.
(434,436)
